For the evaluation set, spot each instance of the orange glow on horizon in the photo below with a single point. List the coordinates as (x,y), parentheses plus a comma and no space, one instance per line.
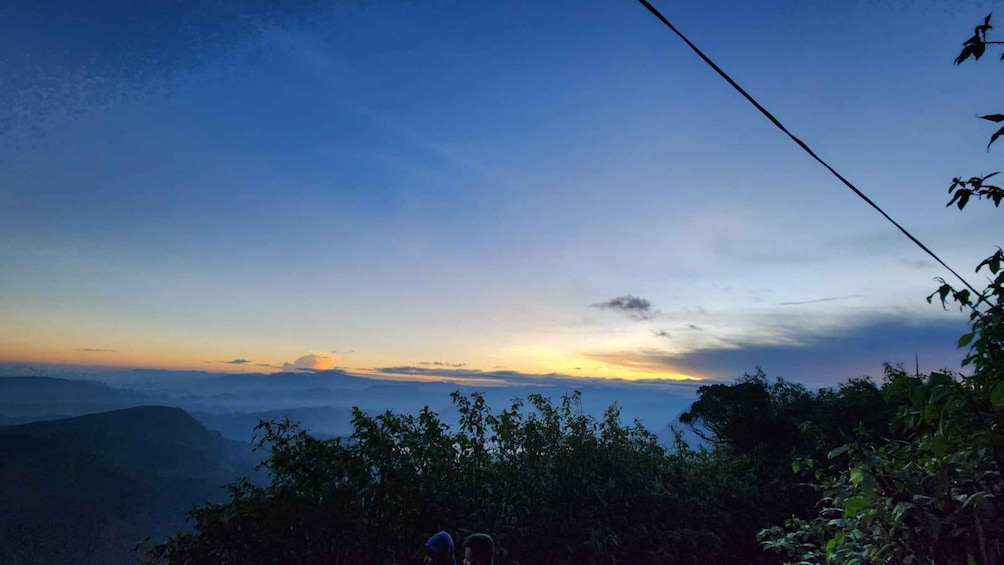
(528,361)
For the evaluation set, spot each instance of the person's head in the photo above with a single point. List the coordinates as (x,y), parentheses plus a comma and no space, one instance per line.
(479,549)
(439,550)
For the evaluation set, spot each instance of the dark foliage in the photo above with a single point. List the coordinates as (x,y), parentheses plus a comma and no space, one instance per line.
(550,484)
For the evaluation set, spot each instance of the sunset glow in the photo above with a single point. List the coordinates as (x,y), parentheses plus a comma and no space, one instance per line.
(580,198)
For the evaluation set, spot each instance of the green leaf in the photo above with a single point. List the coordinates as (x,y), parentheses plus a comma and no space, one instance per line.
(941,379)
(938,394)
(918,395)
(966,339)
(854,505)
(930,413)
(832,545)
(997,395)
(838,451)
(938,445)
(976,498)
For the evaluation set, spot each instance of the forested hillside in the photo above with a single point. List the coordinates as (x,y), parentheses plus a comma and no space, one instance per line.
(88,489)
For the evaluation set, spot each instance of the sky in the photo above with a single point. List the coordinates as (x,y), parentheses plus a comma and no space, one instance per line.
(445,188)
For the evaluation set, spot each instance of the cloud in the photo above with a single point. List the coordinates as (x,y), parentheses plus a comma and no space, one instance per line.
(917,263)
(97,350)
(268,365)
(315,361)
(441,364)
(662,333)
(817,300)
(504,378)
(237,361)
(822,358)
(457,375)
(633,307)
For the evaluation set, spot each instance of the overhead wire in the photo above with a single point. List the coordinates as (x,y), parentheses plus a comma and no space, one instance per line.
(777,123)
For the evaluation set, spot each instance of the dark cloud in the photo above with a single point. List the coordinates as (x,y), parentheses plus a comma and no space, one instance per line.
(694,327)
(818,359)
(516,378)
(97,350)
(237,361)
(267,365)
(633,307)
(450,373)
(441,364)
(662,333)
(917,263)
(817,300)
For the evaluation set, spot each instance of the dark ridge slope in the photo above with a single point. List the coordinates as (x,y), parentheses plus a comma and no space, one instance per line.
(87,489)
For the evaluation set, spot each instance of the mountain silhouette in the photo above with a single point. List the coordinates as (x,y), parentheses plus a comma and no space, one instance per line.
(88,489)
(31,399)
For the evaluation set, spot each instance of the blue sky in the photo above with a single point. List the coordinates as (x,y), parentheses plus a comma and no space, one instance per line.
(398,183)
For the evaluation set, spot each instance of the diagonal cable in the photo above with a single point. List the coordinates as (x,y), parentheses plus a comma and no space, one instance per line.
(802,144)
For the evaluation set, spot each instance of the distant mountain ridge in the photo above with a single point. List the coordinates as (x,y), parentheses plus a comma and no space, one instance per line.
(28,399)
(231,404)
(168,441)
(324,420)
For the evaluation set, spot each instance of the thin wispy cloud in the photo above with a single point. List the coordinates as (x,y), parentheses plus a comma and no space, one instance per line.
(444,152)
(818,300)
(237,361)
(631,306)
(441,364)
(917,263)
(97,350)
(517,378)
